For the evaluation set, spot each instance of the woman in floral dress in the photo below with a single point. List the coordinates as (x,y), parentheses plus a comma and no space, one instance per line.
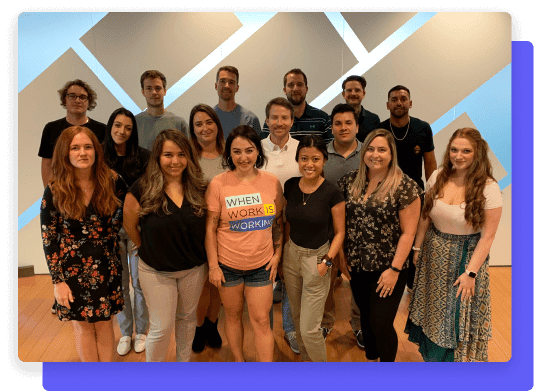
(382,210)
(80,221)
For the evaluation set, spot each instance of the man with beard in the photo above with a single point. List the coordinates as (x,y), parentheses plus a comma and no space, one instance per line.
(229,112)
(155,118)
(415,146)
(308,120)
(354,93)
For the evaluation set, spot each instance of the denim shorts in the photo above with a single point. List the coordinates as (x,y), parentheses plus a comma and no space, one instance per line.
(254,278)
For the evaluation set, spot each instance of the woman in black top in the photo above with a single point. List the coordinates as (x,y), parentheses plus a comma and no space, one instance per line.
(168,204)
(129,160)
(382,210)
(313,205)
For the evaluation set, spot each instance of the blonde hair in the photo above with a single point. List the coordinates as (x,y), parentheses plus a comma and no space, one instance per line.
(393,177)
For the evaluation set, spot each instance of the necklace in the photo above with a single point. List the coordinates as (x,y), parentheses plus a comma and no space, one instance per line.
(396,138)
(305,200)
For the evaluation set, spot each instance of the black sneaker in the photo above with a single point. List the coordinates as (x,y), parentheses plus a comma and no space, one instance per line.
(359,338)
(326,331)
(199,342)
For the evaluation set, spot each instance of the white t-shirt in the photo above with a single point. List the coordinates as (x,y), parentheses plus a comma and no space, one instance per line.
(451,218)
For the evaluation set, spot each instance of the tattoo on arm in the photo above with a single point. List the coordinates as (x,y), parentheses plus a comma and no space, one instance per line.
(277,234)
(215,220)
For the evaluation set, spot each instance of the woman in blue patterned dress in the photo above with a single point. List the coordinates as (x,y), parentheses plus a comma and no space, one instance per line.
(80,221)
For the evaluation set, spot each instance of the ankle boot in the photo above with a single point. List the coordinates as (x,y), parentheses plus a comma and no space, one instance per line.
(200,339)
(212,333)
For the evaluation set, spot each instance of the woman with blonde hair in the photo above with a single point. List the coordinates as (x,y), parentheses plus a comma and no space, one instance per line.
(450,310)
(208,142)
(165,216)
(80,222)
(382,210)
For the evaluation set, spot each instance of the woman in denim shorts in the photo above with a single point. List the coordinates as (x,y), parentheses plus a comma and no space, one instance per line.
(244,239)
(315,208)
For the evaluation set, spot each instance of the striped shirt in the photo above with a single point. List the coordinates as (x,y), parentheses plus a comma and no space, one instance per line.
(312,122)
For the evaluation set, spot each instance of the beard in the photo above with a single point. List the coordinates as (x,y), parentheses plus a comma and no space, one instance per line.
(296,102)
(399,114)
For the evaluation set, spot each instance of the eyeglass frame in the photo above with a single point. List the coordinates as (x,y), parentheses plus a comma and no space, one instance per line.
(73,97)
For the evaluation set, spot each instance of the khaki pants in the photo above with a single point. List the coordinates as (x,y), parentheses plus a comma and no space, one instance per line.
(307,292)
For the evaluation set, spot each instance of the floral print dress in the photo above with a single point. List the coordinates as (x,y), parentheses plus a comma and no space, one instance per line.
(84,253)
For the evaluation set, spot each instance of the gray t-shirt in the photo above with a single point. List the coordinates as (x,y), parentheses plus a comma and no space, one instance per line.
(150,126)
(336,166)
(211,167)
(238,116)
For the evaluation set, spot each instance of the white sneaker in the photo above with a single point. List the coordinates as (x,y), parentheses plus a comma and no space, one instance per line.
(125,344)
(139,344)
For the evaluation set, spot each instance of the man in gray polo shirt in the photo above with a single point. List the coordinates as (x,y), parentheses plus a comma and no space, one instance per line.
(343,157)
(155,118)
(229,112)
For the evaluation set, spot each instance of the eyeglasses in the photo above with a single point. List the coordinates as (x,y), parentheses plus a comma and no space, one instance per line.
(82,98)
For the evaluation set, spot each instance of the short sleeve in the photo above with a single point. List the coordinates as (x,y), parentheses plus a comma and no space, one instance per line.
(337,195)
(407,192)
(213,194)
(279,197)
(493,195)
(428,143)
(49,234)
(135,190)
(44,148)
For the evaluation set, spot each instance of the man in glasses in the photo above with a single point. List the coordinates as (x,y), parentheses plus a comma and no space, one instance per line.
(77,97)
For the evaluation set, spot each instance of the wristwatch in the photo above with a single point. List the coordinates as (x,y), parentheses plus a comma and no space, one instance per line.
(327,261)
(470,274)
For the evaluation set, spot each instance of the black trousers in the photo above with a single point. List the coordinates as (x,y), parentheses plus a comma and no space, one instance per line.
(377,314)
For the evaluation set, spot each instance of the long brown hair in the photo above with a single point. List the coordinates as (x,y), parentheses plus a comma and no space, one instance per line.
(219,142)
(153,183)
(69,198)
(476,178)
(394,175)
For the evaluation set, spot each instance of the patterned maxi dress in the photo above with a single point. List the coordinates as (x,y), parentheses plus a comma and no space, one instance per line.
(84,253)
(444,327)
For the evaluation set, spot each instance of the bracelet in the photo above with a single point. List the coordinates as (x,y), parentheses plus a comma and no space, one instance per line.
(212,269)
(394,269)
(416,248)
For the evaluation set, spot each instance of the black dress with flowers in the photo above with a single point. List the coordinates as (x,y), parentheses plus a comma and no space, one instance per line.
(84,253)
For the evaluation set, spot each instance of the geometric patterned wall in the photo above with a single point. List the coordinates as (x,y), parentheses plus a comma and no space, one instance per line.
(457,66)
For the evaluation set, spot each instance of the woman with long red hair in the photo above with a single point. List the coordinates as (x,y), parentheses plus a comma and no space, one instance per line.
(81,218)
(450,310)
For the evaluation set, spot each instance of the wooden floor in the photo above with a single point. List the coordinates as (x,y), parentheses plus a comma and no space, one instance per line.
(42,337)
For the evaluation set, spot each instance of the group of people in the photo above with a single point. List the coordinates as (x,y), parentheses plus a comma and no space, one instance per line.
(219,210)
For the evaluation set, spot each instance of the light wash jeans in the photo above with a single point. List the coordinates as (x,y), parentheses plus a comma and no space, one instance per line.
(172,300)
(138,312)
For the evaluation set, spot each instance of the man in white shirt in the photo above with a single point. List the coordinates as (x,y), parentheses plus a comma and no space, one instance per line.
(281,149)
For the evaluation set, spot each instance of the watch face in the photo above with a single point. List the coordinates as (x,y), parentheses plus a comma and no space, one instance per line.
(329,263)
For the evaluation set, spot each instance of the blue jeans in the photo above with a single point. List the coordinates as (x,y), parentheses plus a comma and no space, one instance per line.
(139,311)
(287,318)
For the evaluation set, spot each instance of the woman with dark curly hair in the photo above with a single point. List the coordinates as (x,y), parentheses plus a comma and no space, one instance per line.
(450,310)
(244,239)
(80,221)
(165,216)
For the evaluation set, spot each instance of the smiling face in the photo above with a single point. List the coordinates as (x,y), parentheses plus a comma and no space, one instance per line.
(295,88)
(153,91)
(353,93)
(76,106)
(461,154)
(279,122)
(81,152)
(378,154)
(172,160)
(121,129)
(344,128)
(311,162)
(399,103)
(205,128)
(226,85)
(244,155)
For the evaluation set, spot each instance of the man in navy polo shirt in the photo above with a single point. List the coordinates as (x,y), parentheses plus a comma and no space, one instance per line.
(308,120)
(354,93)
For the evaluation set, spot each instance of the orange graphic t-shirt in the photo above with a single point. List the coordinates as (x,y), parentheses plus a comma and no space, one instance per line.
(247,211)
